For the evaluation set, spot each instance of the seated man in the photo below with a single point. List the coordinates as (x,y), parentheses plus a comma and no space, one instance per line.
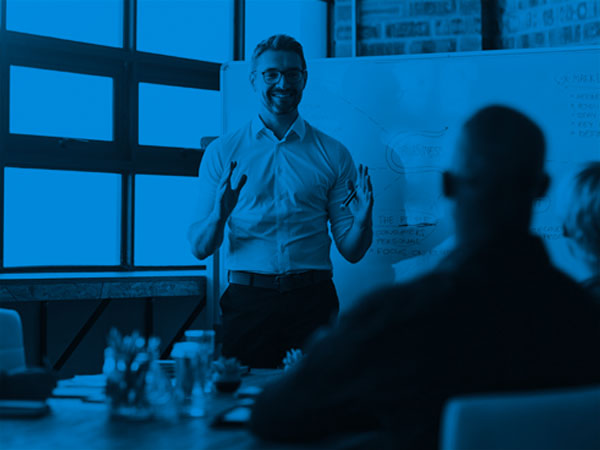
(582,223)
(495,315)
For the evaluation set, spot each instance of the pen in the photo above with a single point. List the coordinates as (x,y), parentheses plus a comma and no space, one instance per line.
(349,198)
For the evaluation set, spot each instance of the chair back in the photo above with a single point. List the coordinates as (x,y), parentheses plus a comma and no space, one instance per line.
(549,420)
(12,351)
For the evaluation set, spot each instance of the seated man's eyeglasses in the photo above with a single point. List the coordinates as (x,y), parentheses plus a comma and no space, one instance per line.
(272,76)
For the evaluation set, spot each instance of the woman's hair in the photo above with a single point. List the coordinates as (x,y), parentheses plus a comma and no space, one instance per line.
(582,222)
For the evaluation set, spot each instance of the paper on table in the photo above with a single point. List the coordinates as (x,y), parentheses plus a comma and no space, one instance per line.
(80,381)
(75,392)
(80,386)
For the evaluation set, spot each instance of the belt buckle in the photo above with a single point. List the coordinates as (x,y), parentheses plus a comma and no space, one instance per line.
(278,279)
(289,282)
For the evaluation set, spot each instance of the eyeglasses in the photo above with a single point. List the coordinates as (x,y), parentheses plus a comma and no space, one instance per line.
(272,76)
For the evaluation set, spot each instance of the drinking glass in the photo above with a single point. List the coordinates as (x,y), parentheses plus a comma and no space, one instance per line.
(189,378)
(206,342)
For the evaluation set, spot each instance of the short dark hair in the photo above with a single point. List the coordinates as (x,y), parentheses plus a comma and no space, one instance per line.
(281,42)
(503,134)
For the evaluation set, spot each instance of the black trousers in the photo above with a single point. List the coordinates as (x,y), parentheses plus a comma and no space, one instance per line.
(260,325)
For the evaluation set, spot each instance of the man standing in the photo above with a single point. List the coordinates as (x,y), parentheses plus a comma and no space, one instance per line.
(494,316)
(274,221)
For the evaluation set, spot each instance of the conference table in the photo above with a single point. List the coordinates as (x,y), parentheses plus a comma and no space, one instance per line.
(75,422)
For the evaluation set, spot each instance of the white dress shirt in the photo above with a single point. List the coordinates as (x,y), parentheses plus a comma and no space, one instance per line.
(295,186)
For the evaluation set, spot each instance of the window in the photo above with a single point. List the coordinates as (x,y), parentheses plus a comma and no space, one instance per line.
(181,28)
(164,207)
(304,20)
(61,218)
(61,104)
(101,144)
(172,116)
(94,22)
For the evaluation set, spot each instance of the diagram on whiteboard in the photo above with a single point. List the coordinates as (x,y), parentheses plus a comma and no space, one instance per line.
(405,166)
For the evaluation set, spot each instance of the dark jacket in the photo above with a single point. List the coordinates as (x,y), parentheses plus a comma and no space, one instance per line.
(592,285)
(496,318)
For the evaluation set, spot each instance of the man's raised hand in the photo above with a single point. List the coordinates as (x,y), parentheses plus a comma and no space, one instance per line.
(361,206)
(227,196)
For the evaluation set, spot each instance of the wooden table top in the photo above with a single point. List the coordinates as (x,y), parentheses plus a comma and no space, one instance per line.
(75,424)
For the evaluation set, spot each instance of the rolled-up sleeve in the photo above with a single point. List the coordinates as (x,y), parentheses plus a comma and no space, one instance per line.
(341,219)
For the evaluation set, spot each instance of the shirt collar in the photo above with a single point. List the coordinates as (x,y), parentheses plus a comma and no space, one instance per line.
(298,127)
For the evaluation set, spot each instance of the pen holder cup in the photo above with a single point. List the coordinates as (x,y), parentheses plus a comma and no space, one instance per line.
(126,386)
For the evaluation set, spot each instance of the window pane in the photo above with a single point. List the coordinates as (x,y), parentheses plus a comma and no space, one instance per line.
(58,217)
(195,29)
(91,21)
(61,104)
(305,20)
(172,116)
(164,208)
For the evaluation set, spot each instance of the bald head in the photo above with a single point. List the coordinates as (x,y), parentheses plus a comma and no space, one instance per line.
(497,170)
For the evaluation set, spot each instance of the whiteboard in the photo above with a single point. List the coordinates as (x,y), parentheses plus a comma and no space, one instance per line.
(400,116)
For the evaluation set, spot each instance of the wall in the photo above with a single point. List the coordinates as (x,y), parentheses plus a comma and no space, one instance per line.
(389,27)
(549,23)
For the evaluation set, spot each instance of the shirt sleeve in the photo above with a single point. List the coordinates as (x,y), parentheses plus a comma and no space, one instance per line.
(341,219)
(209,176)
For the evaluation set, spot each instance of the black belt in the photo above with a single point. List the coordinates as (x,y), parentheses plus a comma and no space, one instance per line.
(282,283)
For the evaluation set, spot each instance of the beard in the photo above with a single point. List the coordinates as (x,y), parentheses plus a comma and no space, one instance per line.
(283,101)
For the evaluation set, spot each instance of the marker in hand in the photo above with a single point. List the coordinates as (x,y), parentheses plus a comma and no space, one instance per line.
(360,196)
(351,196)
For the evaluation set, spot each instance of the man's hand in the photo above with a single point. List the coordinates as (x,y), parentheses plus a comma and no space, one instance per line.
(292,358)
(227,197)
(361,206)
(206,235)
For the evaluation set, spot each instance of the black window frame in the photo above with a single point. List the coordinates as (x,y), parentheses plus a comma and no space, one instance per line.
(123,155)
